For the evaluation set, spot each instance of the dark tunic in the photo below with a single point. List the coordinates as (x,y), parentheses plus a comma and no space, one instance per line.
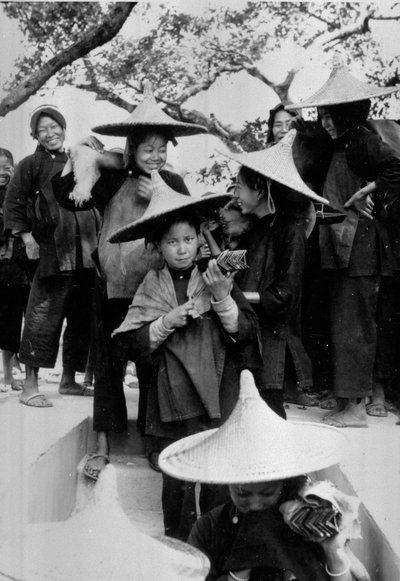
(109,412)
(260,541)
(355,254)
(237,352)
(14,287)
(66,240)
(276,254)
(12,254)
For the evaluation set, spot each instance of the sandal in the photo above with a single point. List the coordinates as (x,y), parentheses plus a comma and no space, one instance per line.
(88,457)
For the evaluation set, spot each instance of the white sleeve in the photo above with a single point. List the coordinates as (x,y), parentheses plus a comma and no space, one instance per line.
(158,332)
(228,312)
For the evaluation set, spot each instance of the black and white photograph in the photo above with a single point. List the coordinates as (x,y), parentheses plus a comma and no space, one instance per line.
(200,290)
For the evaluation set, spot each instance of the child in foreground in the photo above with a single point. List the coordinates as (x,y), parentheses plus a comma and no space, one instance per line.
(195,332)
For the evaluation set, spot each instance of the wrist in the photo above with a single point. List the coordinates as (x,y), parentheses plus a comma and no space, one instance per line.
(166,323)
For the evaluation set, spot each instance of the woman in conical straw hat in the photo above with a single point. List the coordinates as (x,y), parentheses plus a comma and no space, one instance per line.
(356,255)
(277,249)
(119,186)
(194,332)
(260,534)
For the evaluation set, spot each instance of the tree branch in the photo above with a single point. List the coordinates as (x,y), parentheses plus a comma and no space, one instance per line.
(359,26)
(98,36)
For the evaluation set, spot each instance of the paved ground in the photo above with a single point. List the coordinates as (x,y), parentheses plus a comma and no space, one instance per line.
(371,463)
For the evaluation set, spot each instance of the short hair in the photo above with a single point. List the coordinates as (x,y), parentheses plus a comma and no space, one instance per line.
(6,153)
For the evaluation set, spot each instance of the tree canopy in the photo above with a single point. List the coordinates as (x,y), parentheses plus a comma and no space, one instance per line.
(85,44)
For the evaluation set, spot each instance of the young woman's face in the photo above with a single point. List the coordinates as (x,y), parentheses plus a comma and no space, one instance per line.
(6,170)
(281,125)
(151,153)
(50,134)
(179,245)
(257,496)
(248,198)
(328,123)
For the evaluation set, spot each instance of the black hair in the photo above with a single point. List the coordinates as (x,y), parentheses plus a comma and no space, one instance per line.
(254,180)
(272,114)
(163,225)
(137,137)
(348,115)
(6,153)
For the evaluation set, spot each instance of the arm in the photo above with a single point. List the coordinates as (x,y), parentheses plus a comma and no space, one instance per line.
(222,302)
(18,197)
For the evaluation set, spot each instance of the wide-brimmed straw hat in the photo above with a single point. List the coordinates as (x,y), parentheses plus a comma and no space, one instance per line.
(149,113)
(253,445)
(164,202)
(340,88)
(98,544)
(276,162)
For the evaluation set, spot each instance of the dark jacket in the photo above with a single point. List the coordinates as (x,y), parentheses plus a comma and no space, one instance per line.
(258,541)
(235,353)
(276,254)
(13,259)
(66,241)
(115,195)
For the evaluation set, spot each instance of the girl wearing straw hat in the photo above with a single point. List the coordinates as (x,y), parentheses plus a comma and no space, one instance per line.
(355,254)
(260,534)
(119,186)
(195,331)
(276,251)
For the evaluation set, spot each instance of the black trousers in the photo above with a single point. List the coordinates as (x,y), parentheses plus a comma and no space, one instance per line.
(109,409)
(179,502)
(51,300)
(13,300)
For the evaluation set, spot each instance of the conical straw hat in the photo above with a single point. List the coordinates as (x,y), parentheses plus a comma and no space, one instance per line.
(164,202)
(253,445)
(342,87)
(276,162)
(149,113)
(98,544)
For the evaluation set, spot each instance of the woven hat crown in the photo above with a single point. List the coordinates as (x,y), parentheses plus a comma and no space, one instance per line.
(342,87)
(277,163)
(165,201)
(148,113)
(253,445)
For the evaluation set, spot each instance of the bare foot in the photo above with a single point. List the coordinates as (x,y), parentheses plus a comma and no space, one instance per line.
(353,415)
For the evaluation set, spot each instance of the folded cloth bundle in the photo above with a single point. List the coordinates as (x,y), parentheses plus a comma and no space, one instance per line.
(227,261)
(321,510)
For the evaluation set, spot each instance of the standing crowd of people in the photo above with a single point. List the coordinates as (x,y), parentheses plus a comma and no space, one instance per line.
(113,243)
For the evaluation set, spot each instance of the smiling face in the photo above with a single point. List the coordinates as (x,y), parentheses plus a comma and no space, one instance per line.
(151,153)
(328,123)
(281,125)
(179,245)
(248,198)
(50,134)
(6,171)
(257,496)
